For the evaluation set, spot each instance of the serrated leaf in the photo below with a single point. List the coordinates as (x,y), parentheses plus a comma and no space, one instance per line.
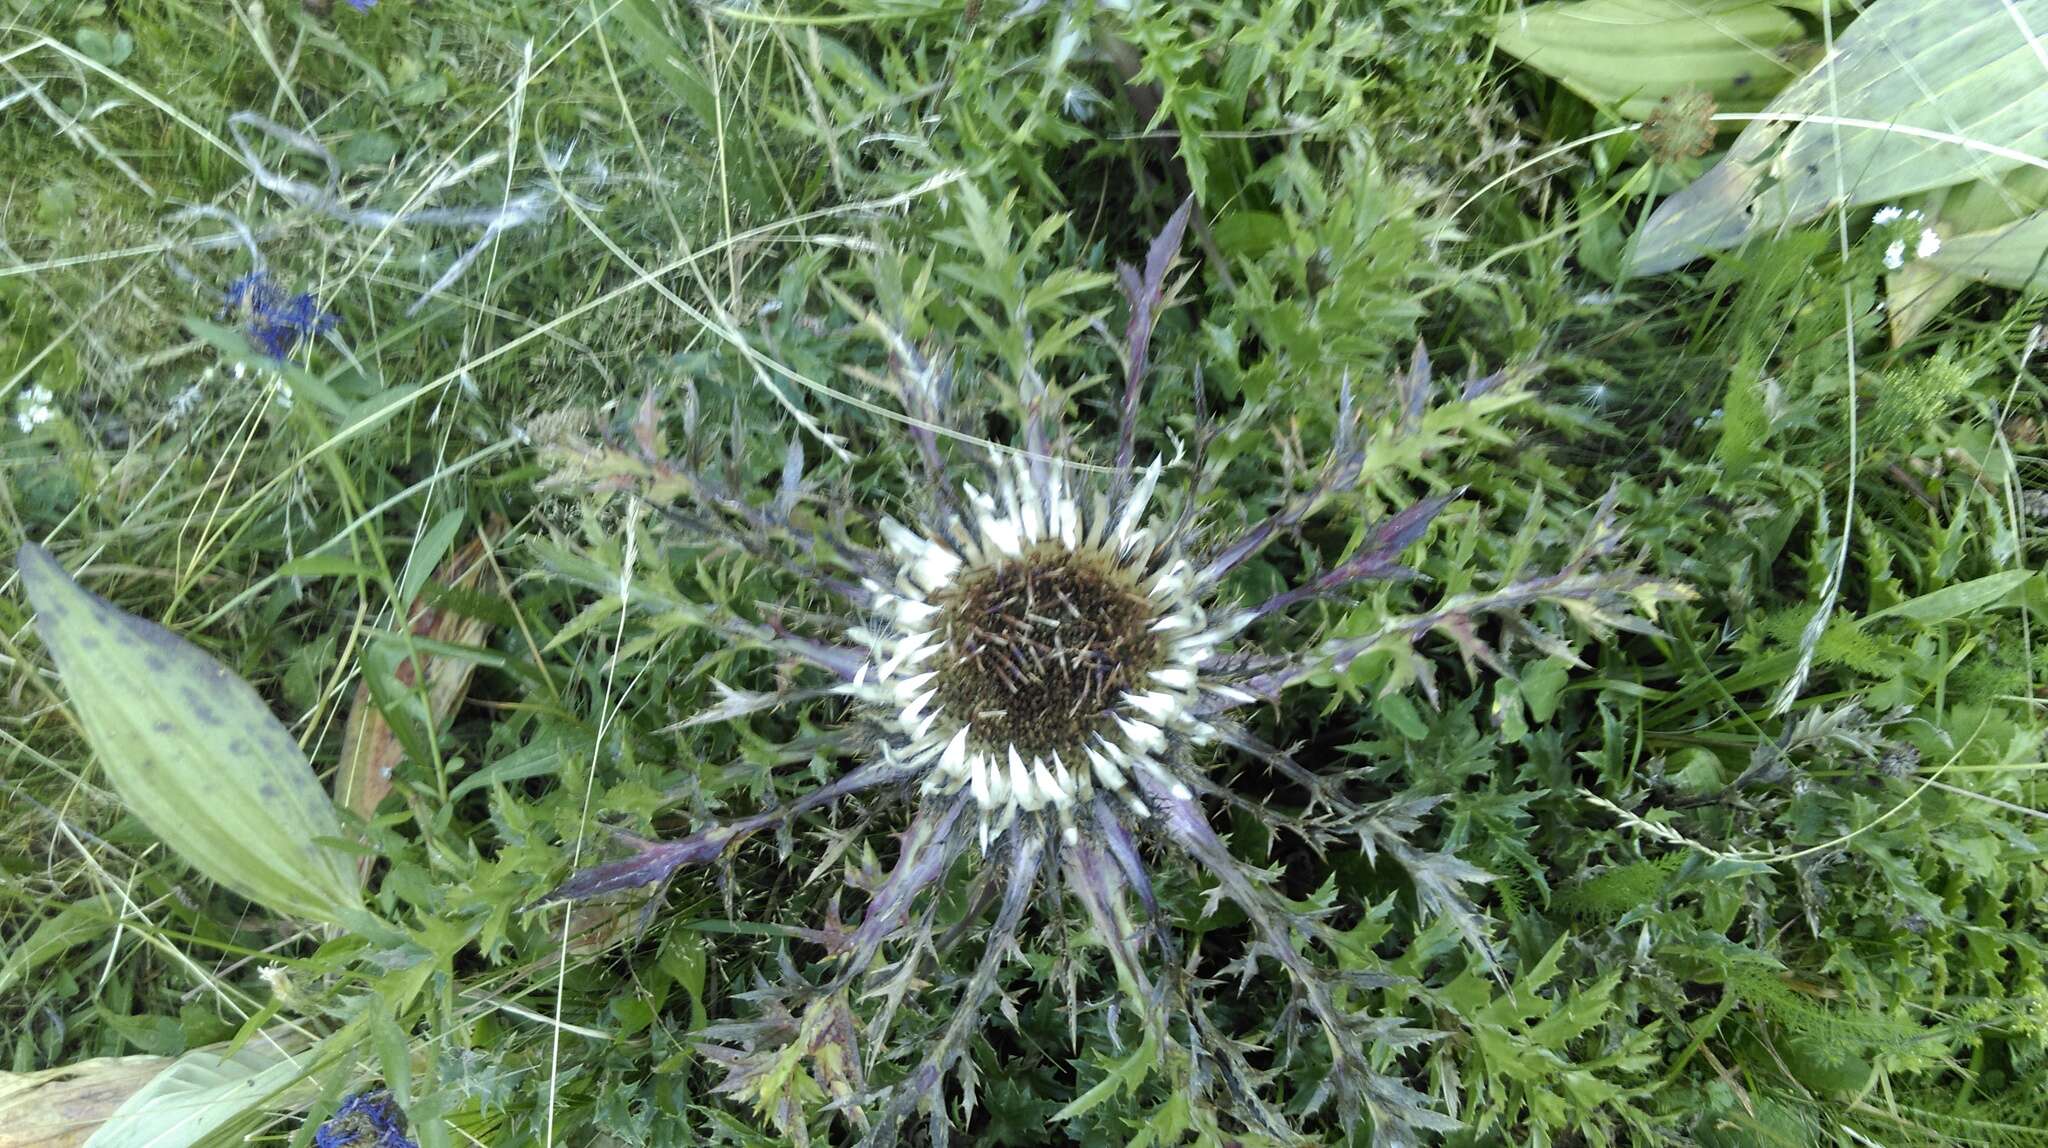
(1124,1076)
(193,751)
(1927,71)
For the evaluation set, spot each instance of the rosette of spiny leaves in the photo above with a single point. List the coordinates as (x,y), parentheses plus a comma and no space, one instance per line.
(1045,669)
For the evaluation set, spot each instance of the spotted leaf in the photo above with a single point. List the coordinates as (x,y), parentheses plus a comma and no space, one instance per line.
(194,752)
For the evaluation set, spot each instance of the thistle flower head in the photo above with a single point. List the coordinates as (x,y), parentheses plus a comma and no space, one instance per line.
(1039,647)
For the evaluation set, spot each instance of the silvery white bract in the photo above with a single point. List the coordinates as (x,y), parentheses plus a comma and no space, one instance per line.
(1047,664)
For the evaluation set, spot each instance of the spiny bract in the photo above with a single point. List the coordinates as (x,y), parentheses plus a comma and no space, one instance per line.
(1036,662)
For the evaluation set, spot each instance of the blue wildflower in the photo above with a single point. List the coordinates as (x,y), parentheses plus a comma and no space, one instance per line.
(274,320)
(365,1120)
(362,5)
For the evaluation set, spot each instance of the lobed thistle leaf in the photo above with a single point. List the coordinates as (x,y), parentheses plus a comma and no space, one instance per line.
(656,861)
(1027,852)
(1376,558)
(1397,1111)
(782,1065)
(1146,292)
(1049,654)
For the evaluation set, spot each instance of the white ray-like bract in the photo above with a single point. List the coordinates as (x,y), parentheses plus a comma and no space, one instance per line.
(1039,648)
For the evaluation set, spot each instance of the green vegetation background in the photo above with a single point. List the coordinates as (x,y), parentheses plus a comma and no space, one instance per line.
(1814,927)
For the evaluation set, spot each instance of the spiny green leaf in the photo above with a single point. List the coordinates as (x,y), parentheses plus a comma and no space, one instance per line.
(1126,1075)
(193,751)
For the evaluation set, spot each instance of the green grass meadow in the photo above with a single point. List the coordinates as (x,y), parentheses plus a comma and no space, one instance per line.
(1762,859)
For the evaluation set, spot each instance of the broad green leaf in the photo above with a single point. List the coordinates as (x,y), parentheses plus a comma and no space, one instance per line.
(1958,600)
(539,759)
(234,346)
(194,752)
(640,27)
(1627,55)
(201,1093)
(2014,256)
(1943,92)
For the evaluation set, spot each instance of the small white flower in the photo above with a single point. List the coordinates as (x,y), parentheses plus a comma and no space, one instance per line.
(1885,216)
(1895,255)
(33,409)
(1929,244)
(279,979)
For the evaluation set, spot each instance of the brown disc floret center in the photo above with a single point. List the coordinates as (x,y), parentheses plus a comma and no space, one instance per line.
(1040,648)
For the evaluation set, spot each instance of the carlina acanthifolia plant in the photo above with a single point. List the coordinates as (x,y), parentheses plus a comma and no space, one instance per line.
(1043,665)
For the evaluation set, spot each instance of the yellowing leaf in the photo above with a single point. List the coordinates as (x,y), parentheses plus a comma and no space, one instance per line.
(194,752)
(370,750)
(63,1107)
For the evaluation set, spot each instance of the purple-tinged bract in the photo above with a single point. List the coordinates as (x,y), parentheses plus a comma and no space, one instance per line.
(1047,665)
